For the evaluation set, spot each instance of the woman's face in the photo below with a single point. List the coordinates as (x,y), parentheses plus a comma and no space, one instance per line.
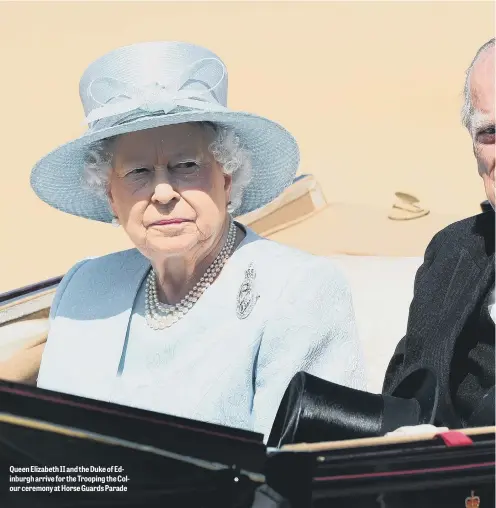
(167,190)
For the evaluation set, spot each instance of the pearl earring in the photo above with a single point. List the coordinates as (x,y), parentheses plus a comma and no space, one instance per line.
(115,222)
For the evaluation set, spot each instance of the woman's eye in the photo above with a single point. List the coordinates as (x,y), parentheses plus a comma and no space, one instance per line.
(185,167)
(138,171)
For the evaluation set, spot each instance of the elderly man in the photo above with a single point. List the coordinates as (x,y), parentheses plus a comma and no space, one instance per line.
(451,321)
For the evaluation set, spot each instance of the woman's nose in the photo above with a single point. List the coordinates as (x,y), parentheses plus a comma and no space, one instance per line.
(163,191)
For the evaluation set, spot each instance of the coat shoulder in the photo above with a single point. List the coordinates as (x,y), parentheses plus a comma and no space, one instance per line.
(301,272)
(474,234)
(467,229)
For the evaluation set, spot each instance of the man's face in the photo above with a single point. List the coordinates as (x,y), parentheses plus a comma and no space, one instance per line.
(482,88)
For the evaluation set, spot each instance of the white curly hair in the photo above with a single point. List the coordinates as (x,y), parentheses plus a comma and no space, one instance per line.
(226,149)
(468,110)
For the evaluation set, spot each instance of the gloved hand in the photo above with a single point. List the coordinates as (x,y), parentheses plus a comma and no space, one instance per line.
(417,429)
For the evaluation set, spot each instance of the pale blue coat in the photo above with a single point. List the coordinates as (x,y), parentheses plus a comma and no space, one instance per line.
(211,365)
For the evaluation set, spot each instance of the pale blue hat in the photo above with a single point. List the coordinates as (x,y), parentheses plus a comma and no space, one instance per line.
(155,84)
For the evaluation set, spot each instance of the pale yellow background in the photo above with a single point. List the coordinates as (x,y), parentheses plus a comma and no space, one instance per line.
(371,90)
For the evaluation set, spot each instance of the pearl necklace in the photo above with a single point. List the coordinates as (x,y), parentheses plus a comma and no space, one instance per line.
(160,315)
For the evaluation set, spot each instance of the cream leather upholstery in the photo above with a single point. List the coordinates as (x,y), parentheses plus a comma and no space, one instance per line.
(382,289)
(14,336)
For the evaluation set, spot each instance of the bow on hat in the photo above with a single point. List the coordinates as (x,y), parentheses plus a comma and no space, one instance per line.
(153,97)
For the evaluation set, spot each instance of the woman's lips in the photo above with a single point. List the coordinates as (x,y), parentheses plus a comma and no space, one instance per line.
(169,222)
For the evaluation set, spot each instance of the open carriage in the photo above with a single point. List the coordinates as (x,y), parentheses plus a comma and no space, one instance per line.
(101,454)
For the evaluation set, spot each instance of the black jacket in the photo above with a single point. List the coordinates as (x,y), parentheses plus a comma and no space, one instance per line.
(449,327)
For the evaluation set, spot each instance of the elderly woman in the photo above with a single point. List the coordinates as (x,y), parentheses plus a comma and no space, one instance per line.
(203,319)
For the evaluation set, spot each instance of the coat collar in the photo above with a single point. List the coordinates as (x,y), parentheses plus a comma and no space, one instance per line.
(130,273)
(90,336)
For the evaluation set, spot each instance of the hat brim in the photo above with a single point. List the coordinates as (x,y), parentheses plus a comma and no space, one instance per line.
(57,178)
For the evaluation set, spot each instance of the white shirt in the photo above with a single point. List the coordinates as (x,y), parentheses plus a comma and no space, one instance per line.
(492,307)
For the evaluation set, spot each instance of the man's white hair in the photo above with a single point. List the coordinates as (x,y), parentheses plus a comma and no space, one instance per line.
(226,149)
(468,110)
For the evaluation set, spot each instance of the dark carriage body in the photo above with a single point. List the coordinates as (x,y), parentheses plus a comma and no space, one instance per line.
(165,461)
(153,459)
(387,472)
